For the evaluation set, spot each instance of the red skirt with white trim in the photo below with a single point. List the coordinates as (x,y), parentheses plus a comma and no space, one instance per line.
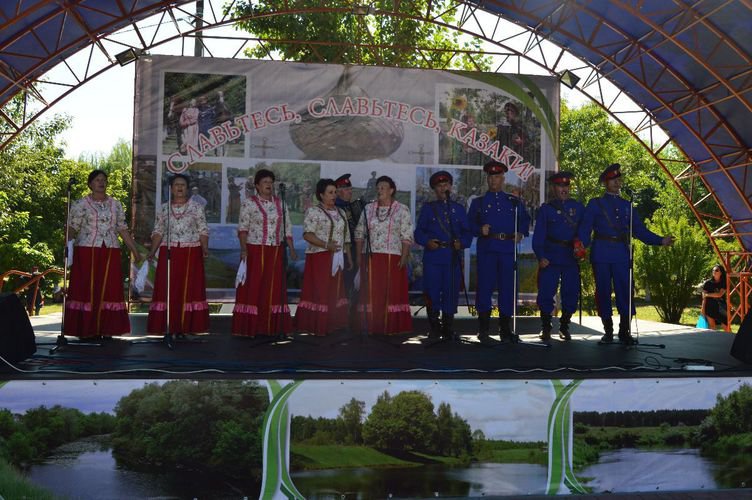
(323,306)
(94,304)
(189,311)
(383,296)
(261,302)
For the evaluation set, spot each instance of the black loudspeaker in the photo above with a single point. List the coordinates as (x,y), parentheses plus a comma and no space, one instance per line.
(16,335)
(741,349)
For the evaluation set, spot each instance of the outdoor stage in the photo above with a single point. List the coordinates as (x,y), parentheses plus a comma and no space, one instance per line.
(664,350)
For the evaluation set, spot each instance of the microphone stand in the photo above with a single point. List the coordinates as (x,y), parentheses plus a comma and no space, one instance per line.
(630,193)
(168,339)
(516,203)
(283,244)
(366,278)
(61,340)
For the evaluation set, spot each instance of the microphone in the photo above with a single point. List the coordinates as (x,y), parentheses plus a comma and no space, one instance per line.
(447,194)
(72,181)
(282,187)
(629,192)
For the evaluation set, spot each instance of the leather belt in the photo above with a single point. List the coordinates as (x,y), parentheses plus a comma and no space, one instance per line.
(561,243)
(615,239)
(443,244)
(500,236)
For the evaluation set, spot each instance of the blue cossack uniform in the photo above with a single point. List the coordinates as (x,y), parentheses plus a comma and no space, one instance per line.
(605,227)
(496,251)
(444,221)
(556,228)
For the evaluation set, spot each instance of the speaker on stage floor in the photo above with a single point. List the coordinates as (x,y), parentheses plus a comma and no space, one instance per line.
(16,335)
(741,349)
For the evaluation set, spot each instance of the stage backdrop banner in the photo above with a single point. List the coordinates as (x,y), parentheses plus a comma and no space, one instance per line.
(220,120)
(390,438)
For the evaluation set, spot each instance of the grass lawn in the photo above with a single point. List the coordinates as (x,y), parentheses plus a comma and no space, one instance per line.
(335,457)
(689,317)
(14,485)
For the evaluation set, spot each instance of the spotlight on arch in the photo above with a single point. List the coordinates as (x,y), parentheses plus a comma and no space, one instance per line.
(128,56)
(568,78)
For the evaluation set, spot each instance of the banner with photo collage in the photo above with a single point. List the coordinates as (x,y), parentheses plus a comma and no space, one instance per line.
(220,120)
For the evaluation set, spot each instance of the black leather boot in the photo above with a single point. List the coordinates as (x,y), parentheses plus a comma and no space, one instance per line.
(545,334)
(484,323)
(434,323)
(608,328)
(624,334)
(505,330)
(564,326)
(447,332)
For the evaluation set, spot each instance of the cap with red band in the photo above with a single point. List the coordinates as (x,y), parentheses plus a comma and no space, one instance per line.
(343,181)
(494,167)
(439,177)
(561,178)
(611,172)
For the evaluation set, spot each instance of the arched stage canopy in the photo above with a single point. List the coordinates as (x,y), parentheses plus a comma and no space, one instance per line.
(686,63)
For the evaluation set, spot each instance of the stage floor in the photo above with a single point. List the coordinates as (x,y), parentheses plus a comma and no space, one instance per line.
(664,350)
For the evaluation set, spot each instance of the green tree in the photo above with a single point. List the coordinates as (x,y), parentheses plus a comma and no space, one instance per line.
(391,39)
(671,273)
(192,424)
(453,436)
(33,177)
(351,419)
(403,423)
(590,141)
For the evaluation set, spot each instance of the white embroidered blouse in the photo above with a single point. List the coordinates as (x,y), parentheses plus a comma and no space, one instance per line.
(187,222)
(97,223)
(317,221)
(261,219)
(388,227)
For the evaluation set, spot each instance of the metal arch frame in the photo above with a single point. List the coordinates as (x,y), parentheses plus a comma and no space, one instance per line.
(568,10)
(690,181)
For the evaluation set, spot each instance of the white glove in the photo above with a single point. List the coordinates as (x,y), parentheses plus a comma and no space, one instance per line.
(70,252)
(141,273)
(338,262)
(240,277)
(356,280)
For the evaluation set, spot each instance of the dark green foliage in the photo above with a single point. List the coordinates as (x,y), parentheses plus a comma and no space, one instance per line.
(336,34)
(590,141)
(214,424)
(34,179)
(33,435)
(726,435)
(653,418)
(404,423)
(671,273)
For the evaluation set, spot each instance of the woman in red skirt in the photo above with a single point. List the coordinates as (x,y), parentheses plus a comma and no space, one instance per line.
(383,238)
(323,306)
(180,224)
(94,305)
(261,301)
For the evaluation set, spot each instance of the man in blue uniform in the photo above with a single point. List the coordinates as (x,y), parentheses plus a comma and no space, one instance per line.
(352,210)
(492,221)
(555,244)
(443,230)
(606,224)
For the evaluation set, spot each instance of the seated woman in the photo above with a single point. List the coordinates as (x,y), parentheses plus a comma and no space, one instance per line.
(714,298)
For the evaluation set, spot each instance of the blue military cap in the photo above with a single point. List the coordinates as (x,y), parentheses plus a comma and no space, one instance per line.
(561,178)
(612,172)
(439,177)
(494,167)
